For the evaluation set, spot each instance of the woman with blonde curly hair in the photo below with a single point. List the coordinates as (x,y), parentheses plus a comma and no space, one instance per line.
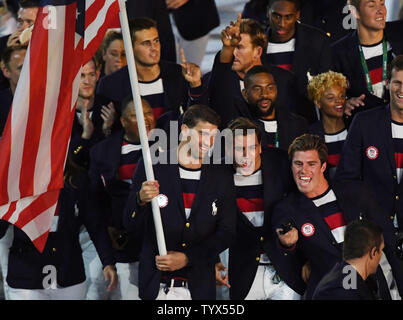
(328,92)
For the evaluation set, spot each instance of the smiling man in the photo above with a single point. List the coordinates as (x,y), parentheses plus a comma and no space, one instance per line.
(363,55)
(320,212)
(257,270)
(279,126)
(165,85)
(375,156)
(297,47)
(113,162)
(243,46)
(198,213)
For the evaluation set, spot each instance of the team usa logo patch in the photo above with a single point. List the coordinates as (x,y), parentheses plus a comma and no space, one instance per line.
(162,200)
(372,153)
(308,229)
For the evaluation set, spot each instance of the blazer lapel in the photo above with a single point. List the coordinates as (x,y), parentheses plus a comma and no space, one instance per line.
(113,155)
(387,137)
(204,177)
(354,55)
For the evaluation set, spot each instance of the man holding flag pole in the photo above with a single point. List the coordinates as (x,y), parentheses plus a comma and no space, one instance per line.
(35,140)
(196,199)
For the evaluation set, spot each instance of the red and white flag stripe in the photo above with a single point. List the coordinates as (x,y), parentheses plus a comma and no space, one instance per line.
(34,144)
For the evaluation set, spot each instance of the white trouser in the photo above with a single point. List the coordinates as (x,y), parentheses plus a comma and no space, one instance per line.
(5,244)
(173,293)
(76,292)
(96,285)
(194,49)
(265,287)
(222,293)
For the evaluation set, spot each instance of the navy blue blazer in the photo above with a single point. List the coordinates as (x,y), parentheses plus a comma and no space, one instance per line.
(347,60)
(331,286)
(196,18)
(62,249)
(326,15)
(368,155)
(202,237)
(321,249)
(371,131)
(312,54)
(109,194)
(250,241)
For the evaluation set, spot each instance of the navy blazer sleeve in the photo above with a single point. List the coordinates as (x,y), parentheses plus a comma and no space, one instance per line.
(134,214)
(98,234)
(350,165)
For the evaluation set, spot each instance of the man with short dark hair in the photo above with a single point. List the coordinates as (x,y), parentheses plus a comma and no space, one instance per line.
(26,17)
(319,213)
(165,85)
(113,162)
(259,104)
(257,270)
(363,55)
(297,47)
(198,212)
(244,44)
(375,156)
(362,251)
(158,11)
(11,65)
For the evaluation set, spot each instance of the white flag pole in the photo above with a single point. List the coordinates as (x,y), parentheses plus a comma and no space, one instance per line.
(140,121)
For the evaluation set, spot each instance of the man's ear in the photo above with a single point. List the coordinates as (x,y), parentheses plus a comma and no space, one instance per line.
(323,167)
(372,253)
(122,121)
(245,94)
(258,52)
(354,12)
(387,84)
(184,130)
(5,70)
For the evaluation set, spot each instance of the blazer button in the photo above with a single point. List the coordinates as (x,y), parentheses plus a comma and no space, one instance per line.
(78,149)
(392,217)
(397,197)
(133,214)
(187,224)
(333,243)
(54,249)
(257,259)
(328,34)
(261,239)
(184,245)
(286,254)
(394,177)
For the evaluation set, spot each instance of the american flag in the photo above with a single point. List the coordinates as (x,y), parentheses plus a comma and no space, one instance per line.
(34,144)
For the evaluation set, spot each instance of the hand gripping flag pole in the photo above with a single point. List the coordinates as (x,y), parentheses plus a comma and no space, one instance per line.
(140,121)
